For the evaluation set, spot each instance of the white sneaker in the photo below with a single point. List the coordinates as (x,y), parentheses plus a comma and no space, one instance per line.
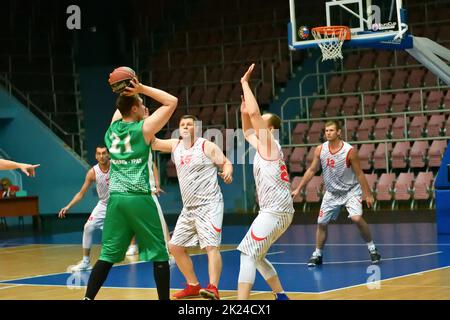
(172,262)
(132,250)
(81,266)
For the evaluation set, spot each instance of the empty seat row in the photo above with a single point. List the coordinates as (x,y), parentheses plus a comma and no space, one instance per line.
(382,128)
(384,103)
(383,79)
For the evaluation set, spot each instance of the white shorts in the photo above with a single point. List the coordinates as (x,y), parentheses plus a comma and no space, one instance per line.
(97,217)
(332,203)
(264,231)
(200,225)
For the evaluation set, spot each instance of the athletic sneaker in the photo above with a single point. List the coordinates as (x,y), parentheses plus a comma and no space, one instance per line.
(375,256)
(81,266)
(281,296)
(172,262)
(210,292)
(315,261)
(188,292)
(132,250)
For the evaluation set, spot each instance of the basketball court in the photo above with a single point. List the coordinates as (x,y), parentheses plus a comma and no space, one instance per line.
(415,257)
(415,265)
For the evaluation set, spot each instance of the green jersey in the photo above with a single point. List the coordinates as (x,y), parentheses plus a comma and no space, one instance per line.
(129,158)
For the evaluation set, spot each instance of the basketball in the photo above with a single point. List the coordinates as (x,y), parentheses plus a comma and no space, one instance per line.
(303,32)
(120,78)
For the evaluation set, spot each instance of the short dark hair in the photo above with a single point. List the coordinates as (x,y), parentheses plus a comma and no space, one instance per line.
(189,116)
(125,103)
(333,122)
(101,146)
(274,121)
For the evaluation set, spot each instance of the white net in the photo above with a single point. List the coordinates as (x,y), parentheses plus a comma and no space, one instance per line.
(333,40)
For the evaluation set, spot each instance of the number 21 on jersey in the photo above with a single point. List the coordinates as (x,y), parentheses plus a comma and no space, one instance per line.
(117,144)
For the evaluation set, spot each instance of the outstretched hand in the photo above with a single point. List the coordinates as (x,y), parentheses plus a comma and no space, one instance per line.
(29,169)
(247,74)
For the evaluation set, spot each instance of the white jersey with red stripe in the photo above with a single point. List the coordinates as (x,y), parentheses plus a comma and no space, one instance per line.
(197,174)
(272,184)
(338,175)
(102,183)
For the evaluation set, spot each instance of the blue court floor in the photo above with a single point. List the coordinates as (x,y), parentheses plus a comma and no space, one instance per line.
(406,248)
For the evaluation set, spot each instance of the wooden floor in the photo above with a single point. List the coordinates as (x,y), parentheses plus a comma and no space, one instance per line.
(38,260)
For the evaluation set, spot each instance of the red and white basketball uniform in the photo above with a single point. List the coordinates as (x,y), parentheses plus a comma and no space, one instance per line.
(200,221)
(97,217)
(102,183)
(341,184)
(276,208)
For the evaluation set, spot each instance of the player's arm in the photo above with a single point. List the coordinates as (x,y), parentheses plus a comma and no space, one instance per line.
(249,132)
(356,166)
(28,169)
(159,118)
(156,176)
(90,178)
(164,145)
(251,105)
(310,172)
(266,141)
(216,155)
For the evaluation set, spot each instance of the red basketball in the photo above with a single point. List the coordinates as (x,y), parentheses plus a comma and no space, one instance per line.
(120,78)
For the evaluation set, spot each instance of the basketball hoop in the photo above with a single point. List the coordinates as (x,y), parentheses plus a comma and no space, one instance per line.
(330,40)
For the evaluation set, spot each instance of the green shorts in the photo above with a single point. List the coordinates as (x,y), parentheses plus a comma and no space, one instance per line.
(128,215)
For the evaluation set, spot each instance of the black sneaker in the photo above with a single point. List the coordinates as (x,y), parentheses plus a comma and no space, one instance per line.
(315,261)
(375,256)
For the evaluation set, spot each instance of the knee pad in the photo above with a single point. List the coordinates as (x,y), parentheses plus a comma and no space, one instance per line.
(247,271)
(266,269)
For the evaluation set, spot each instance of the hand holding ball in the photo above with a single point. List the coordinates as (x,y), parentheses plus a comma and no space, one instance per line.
(121,78)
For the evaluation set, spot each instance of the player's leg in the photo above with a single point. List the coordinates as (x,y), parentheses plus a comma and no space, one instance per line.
(208,222)
(268,272)
(184,236)
(247,275)
(265,230)
(184,263)
(329,210)
(97,278)
(115,239)
(94,222)
(147,223)
(354,208)
(214,265)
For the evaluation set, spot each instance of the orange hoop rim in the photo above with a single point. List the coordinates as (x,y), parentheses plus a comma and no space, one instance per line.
(335,30)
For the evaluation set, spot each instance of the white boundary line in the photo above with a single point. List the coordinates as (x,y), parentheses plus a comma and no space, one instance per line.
(12,286)
(363,244)
(69,273)
(360,261)
(398,277)
(9,250)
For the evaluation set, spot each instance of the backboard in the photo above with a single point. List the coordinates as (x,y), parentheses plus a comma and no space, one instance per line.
(373,23)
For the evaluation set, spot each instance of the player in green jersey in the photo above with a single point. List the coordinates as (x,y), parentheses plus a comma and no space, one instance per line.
(131,209)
